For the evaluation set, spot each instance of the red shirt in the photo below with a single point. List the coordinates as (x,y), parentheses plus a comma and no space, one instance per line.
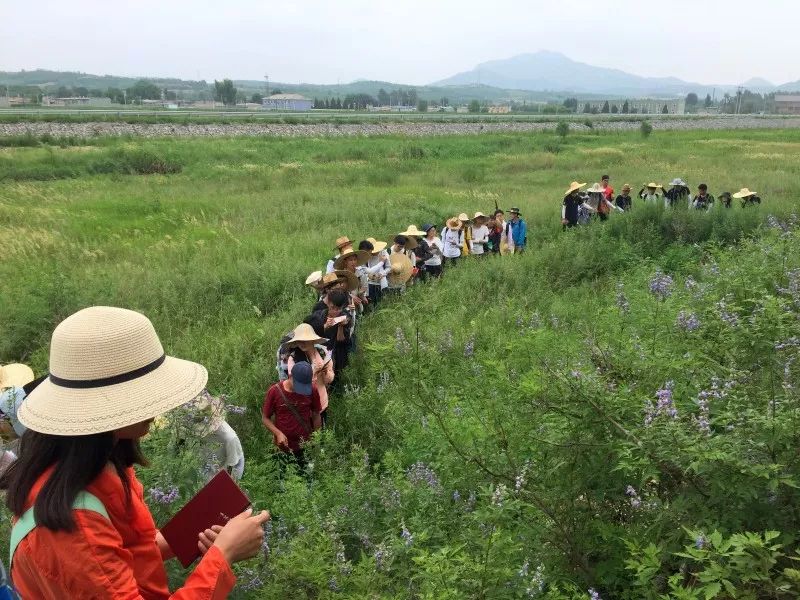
(285,420)
(608,192)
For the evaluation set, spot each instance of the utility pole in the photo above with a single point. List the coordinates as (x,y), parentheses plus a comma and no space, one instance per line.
(738,99)
(266,77)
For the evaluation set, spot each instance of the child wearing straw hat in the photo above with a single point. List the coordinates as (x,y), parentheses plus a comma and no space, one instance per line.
(93,535)
(570,205)
(651,193)
(747,197)
(452,240)
(466,227)
(480,234)
(624,200)
(377,270)
(306,345)
(341,243)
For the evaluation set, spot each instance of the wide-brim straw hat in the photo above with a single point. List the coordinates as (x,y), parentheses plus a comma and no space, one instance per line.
(377,247)
(595,189)
(744,193)
(343,242)
(453,223)
(463,218)
(627,186)
(347,277)
(678,182)
(574,186)
(658,186)
(108,370)
(401,269)
(314,279)
(15,375)
(363,257)
(412,231)
(480,215)
(304,333)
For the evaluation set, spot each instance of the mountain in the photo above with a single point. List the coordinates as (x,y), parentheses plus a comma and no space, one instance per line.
(792,86)
(546,70)
(758,84)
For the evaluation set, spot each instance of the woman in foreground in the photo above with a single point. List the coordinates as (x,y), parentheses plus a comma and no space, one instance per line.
(93,535)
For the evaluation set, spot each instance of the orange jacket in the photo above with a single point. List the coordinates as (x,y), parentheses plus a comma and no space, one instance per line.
(116,559)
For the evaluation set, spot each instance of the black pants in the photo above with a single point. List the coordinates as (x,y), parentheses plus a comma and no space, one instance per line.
(433,270)
(451,261)
(375,293)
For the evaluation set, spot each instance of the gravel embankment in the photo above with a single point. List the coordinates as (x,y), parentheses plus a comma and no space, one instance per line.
(86,130)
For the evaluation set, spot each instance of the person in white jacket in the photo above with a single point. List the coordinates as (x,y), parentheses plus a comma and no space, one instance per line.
(480,234)
(452,240)
(377,268)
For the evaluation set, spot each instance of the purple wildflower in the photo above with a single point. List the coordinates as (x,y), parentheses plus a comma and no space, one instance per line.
(401,343)
(664,405)
(447,341)
(469,347)
(499,495)
(703,423)
(635,499)
(406,535)
(456,496)
(700,542)
(690,283)
(593,595)
(381,557)
(421,473)
(471,500)
(235,409)
(332,585)
(661,286)
(164,496)
(687,322)
(622,300)
(730,318)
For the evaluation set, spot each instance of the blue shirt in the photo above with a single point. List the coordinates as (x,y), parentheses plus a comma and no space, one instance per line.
(10,401)
(518,231)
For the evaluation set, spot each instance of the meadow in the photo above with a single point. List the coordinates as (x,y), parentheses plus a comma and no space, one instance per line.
(613,412)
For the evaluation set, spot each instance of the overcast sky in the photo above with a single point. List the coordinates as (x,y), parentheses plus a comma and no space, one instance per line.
(404,41)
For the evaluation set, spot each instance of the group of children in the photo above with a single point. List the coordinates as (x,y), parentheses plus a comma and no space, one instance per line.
(580,206)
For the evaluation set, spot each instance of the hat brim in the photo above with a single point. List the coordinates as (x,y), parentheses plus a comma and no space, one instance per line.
(55,410)
(740,195)
(294,342)
(363,258)
(15,375)
(304,389)
(574,188)
(378,247)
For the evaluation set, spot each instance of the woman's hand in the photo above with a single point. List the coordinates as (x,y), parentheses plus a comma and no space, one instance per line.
(207,538)
(241,537)
(281,441)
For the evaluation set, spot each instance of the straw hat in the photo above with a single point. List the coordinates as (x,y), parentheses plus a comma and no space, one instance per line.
(401,269)
(514,211)
(377,247)
(595,189)
(108,370)
(314,279)
(346,277)
(305,333)
(15,375)
(347,252)
(574,186)
(463,218)
(412,231)
(453,223)
(654,185)
(343,242)
(744,193)
(678,182)
(626,187)
(479,215)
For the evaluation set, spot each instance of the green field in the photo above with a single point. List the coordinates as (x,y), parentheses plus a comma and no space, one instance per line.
(523,447)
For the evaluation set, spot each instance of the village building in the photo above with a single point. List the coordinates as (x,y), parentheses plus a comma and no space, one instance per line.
(287,102)
(787,104)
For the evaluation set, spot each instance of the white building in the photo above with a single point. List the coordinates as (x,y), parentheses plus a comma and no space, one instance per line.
(287,102)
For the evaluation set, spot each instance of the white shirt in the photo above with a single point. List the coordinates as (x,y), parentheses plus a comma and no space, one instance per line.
(378,268)
(329,268)
(452,240)
(480,235)
(436,248)
(651,198)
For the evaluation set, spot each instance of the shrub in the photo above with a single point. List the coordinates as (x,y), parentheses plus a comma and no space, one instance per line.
(562,129)
(645,129)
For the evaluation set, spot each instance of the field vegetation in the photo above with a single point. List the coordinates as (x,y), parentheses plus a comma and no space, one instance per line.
(612,413)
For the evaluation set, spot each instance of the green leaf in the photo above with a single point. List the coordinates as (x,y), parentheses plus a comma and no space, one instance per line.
(712,589)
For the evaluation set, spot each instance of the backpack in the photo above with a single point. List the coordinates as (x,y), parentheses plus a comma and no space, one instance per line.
(27,522)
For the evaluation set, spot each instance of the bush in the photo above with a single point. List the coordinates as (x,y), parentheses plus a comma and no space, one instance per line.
(645,129)
(562,129)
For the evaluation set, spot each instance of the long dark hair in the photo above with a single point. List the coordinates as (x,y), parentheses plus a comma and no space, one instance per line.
(78,460)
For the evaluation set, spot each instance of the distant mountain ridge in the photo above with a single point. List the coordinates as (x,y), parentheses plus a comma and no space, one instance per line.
(549,71)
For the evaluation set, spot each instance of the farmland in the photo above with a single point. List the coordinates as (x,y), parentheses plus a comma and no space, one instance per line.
(531,426)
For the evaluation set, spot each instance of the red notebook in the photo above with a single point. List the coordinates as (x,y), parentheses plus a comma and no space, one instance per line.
(218,502)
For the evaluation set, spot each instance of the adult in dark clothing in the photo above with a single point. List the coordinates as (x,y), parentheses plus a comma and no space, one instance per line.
(725,199)
(624,200)
(747,197)
(678,194)
(703,200)
(495,225)
(334,323)
(571,205)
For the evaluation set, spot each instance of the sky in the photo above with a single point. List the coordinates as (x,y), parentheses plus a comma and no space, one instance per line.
(402,41)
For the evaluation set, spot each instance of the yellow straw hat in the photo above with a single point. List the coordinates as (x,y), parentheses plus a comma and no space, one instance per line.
(15,375)
(463,218)
(401,269)
(453,223)
(347,252)
(574,186)
(304,333)
(347,277)
(595,189)
(377,247)
(744,193)
(108,370)
(314,279)
(412,231)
